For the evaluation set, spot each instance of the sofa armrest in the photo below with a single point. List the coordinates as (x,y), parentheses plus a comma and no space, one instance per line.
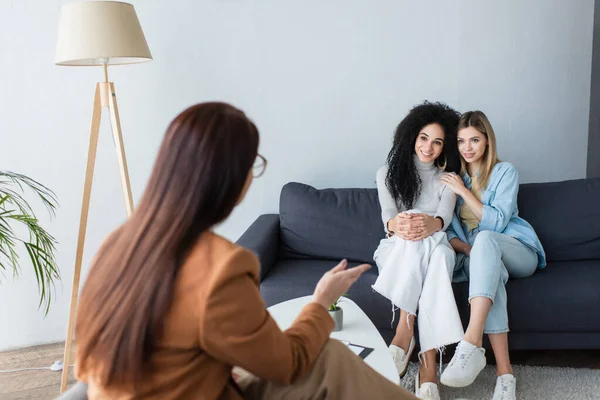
(262,238)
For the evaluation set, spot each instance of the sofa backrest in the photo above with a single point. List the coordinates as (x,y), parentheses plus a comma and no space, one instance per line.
(346,223)
(566,217)
(329,223)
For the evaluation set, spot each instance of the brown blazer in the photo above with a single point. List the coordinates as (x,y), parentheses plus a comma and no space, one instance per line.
(218,320)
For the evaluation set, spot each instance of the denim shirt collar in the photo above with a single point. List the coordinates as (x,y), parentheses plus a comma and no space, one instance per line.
(459,201)
(467,180)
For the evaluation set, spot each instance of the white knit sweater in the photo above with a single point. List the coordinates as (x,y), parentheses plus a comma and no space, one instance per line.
(435,198)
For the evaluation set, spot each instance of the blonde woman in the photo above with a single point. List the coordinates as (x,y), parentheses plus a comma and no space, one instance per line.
(492,243)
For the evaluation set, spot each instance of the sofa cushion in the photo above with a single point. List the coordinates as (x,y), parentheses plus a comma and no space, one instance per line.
(566,217)
(563,297)
(329,223)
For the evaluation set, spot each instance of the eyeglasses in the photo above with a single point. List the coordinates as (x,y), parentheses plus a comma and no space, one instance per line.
(259,167)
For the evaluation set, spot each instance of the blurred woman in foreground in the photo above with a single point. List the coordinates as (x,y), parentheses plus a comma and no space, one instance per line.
(169,307)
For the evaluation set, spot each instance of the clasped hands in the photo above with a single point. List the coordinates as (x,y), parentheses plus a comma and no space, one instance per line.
(414,227)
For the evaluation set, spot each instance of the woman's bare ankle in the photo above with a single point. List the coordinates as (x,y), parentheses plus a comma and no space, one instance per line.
(402,340)
(476,340)
(504,369)
(427,374)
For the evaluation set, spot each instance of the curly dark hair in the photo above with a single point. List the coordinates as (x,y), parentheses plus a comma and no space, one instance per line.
(402,178)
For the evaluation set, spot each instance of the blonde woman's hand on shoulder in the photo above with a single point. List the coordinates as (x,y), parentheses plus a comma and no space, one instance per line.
(454,182)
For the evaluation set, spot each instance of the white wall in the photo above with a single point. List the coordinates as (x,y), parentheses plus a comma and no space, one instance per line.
(325,81)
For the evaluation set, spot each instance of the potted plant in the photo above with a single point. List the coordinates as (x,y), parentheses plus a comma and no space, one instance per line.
(337,314)
(33,240)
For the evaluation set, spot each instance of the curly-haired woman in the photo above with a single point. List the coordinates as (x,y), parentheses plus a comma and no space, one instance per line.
(415,260)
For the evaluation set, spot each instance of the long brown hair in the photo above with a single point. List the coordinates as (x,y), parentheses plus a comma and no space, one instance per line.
(199,175)
(479,121)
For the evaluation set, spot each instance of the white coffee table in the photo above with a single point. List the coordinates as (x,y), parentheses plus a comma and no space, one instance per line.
(357,329)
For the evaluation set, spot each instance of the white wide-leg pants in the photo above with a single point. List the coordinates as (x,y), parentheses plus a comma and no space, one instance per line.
(418,276)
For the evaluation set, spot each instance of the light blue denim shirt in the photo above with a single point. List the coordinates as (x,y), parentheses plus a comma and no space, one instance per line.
(500,211)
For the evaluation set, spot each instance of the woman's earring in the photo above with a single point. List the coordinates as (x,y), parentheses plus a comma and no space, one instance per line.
(442,167)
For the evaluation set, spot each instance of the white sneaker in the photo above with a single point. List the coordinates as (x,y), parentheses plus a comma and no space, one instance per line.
(426,391)
(467,363)
(401,358)
(506,388)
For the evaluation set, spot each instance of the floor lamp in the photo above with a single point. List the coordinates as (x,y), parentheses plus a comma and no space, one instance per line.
(98,33)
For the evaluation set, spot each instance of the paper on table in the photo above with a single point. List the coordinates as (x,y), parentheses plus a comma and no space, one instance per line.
(356,349)
(360,351)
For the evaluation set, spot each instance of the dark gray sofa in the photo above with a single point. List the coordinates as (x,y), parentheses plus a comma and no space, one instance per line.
(557,308)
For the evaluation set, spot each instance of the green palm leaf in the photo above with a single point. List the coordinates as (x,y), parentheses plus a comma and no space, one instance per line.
(40,246)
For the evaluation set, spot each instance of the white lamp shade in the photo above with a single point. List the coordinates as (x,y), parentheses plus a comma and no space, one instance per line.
(100,32)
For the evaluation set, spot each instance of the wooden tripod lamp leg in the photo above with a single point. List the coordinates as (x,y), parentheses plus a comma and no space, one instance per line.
(87,190)
(115,123)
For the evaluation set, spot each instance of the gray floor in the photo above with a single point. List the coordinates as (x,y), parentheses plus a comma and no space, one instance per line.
(533,383)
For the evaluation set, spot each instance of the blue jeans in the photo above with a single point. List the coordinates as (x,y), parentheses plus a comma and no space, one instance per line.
(494,258)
